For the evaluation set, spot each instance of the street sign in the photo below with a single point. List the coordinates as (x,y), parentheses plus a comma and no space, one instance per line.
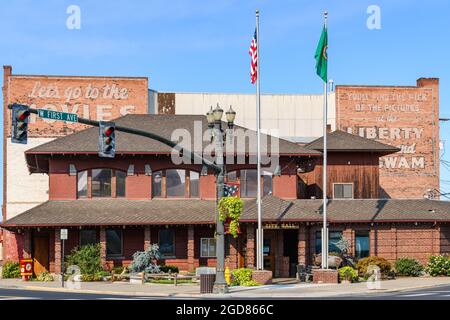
(57,115)
(64,234)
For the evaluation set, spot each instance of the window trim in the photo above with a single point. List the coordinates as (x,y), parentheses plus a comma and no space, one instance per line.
(113,183)
(201,251)
(174,253)
(345,183)
(114,256)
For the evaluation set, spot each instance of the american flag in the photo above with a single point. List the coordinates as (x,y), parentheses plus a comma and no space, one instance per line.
(231,190)
(254,59)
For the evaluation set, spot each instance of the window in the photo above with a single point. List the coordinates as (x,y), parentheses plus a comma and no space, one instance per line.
(167,242)
(208,247)
(267,183)
(114,242)
(120,183)
(362,244)
(157,184)
(101,182)
(82,184)
(194,184)
(88,237)
(333,238)
(248,182)
(175,182)
(343,190)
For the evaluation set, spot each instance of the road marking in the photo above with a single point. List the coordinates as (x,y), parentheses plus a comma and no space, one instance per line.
(417,294)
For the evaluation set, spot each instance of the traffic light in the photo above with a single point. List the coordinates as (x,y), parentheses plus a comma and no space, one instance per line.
(107,139)
(20,117)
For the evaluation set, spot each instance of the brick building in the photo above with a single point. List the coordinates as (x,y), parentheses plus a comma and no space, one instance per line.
(374,175)
(140,197)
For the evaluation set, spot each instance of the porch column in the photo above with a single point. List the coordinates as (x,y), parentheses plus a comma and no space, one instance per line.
(58,251)
(147,238)
(250,252)
(103,246)
(232,262)
(26,252)
(349,235)
(301,245)
(190,247)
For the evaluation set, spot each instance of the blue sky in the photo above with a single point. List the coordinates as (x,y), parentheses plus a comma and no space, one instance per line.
(203,45)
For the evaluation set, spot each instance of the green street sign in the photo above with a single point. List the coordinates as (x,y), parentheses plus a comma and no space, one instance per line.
(57,115)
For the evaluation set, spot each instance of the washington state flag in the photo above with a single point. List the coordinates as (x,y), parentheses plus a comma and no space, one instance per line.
(321,55)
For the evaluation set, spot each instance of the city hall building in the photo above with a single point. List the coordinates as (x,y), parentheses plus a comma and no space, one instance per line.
(383,159)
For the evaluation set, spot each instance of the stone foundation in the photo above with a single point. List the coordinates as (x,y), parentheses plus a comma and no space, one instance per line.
(262,276)
(325,276)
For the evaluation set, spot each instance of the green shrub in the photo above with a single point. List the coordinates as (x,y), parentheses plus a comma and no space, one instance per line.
(87,258)
(119,269)
(44,276)
(169,268)
(383,264)
(408,267)
(438,265)
(145,261)
(348,273)
(241,276)
(11,270)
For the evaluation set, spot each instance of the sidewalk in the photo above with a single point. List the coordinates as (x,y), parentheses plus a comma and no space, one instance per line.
(299,290)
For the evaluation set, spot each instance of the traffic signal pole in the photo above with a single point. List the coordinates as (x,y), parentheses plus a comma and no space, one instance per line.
(186,152)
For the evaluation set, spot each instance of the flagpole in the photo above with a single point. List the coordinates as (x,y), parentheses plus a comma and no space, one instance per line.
(324,183)
(259,232)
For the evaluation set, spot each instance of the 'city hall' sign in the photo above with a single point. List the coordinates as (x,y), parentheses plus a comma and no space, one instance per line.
(405,117)
(98,98)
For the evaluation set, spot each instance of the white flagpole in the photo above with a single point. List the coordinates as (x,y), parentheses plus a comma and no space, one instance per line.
(324,182)
(259,234)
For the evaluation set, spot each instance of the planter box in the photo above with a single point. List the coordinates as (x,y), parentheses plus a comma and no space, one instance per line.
(262,276)
(325,276)
(137,278)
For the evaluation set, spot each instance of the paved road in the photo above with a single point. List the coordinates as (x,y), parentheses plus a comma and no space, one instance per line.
(435,293)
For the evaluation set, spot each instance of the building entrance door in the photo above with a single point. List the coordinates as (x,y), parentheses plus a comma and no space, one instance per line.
(40,254)
(269,251)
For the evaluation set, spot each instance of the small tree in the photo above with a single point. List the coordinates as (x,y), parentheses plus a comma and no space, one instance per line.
(145,261)
(87,258)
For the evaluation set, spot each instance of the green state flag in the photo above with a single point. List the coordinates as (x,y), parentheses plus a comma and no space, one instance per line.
(321,55)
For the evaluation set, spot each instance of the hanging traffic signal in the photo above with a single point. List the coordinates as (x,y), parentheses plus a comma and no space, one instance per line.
(20,117)
(107,139)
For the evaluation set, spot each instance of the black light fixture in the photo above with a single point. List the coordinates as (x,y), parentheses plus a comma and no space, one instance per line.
(204,171)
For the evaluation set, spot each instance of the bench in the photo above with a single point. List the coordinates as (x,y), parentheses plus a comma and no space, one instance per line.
(305,273)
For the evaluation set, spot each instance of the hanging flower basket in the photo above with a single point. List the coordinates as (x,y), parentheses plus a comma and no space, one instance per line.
(230,210)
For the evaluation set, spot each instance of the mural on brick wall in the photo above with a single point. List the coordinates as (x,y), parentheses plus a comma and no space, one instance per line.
(90,97)
(405,117)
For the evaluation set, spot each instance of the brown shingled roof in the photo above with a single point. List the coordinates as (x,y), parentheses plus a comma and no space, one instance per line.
(190,211)
(340,141)
(86,141)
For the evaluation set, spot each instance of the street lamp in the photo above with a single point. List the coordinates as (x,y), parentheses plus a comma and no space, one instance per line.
(214,118)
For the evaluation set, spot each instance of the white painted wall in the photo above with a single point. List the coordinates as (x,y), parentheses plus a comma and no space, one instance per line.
(24,191)
(295,116)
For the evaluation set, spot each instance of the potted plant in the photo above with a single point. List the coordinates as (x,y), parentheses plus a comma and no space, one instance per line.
(230,210)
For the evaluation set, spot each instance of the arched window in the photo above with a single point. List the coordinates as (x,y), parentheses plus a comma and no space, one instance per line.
(97,183)
(175,183)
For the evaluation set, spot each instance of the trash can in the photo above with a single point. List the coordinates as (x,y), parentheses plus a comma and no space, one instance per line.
(207,283)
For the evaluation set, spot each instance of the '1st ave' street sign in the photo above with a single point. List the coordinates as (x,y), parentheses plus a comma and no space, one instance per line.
(57,115)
